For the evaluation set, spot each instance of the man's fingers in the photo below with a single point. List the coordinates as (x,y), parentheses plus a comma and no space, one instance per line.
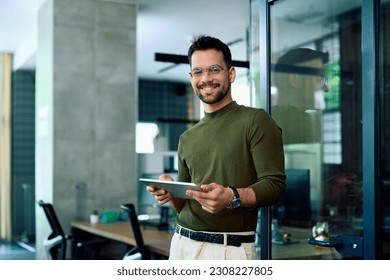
(196,193)
(165,177)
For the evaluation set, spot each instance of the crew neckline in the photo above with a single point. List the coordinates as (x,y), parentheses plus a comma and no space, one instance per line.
(227,108)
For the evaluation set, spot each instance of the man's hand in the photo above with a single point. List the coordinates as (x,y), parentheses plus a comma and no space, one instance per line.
(213,197)
(162,196)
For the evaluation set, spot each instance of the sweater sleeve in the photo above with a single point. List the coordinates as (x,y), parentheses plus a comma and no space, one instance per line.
(183,174)
(265,140)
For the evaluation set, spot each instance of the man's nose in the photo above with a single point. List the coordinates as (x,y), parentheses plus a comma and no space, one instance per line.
(206,76)
(325,87)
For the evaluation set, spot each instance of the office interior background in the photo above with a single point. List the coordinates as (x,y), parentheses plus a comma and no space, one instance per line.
(88,107)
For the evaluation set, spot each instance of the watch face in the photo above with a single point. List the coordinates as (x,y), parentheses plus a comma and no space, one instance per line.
(236,199)
(236,203)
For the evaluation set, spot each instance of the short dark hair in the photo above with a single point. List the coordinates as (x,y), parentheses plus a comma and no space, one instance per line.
(292,57)
(204,42)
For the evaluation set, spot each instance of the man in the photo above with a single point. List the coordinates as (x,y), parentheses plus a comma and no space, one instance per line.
(299,75)
(300,79)
(235,153)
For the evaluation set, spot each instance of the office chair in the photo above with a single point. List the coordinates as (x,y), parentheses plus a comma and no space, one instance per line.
(139,252)
(56,242)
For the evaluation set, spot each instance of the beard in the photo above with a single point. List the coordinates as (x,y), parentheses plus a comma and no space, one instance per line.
(212,99)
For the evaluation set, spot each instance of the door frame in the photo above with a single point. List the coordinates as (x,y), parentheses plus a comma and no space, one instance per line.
(370,128)
(265,101)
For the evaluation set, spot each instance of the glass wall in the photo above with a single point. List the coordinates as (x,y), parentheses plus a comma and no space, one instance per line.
(316,98)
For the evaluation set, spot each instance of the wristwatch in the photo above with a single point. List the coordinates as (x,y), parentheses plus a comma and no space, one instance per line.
(236,199)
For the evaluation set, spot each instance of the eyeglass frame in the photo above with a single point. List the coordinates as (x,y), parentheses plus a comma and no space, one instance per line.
(208,70)
(323,82)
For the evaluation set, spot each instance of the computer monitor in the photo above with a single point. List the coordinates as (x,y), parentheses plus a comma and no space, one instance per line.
(308,156)
(296,206)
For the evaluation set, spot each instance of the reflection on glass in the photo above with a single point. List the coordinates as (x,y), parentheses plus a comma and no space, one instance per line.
(316,100)
(299,77)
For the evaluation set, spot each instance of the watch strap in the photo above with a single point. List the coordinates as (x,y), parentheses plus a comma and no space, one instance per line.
(235,192)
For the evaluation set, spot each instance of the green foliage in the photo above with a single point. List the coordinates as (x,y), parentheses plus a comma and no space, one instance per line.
(333,96)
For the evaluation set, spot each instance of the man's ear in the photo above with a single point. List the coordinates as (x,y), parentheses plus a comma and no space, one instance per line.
(294,80)
(232,74)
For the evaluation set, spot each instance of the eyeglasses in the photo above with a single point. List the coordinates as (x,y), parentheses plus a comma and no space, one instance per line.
(214,70)
(323,83)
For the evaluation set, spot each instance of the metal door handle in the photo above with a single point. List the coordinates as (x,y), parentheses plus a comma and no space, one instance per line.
(343,243)
(332,243)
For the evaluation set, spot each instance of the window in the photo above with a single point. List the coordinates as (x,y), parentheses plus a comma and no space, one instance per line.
(145,134)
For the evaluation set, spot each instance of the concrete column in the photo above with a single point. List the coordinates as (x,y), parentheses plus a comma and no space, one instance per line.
(85,109)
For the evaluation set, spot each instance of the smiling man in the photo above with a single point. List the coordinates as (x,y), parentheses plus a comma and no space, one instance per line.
(235,153)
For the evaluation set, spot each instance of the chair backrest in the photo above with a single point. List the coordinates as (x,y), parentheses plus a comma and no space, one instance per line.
(52,218)
(130,209)
(57,248)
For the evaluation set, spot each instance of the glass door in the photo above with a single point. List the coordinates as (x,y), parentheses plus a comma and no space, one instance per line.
(313,51)
(316,100)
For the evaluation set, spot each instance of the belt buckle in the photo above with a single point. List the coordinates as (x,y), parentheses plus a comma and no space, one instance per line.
(234,240)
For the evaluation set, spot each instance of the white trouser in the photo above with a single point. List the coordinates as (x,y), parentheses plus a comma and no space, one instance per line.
(183,248)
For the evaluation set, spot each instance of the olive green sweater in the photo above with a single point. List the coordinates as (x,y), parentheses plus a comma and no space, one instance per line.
(235,146)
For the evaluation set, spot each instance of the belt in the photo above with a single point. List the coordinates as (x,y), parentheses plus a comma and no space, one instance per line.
(218,238)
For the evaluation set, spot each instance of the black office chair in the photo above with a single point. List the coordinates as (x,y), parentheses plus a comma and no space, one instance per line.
(56,242)
(139,252)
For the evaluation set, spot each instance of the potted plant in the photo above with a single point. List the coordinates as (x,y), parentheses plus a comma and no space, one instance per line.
(94,217)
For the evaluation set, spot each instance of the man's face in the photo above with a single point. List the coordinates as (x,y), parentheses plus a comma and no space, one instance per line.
(208,86)
(305,90)
(314,87)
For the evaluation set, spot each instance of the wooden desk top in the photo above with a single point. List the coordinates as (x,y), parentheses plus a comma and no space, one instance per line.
(157,241)
(300,249)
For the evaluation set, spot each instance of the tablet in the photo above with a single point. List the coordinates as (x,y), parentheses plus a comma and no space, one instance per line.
(177,189)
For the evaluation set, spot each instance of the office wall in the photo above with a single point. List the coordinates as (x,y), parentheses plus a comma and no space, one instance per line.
(85,108)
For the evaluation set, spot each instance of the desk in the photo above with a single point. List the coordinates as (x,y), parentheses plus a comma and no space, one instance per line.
(299,249)
(157,241)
